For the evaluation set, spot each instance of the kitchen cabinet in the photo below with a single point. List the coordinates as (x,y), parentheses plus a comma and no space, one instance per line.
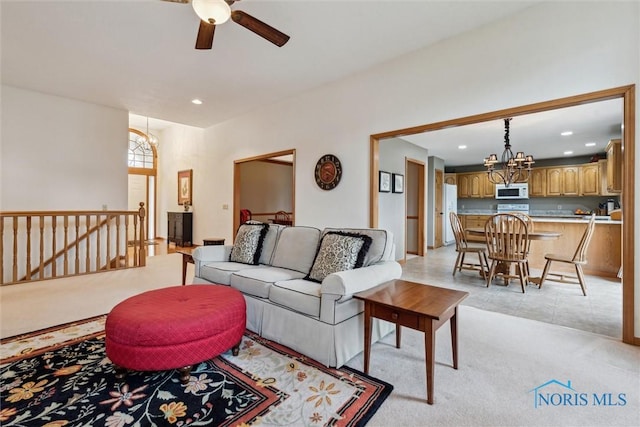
(489,187)
(450,178)
(563,181)
(602,165)
(590,179)
(474,221)
(474,185)
(614,166)
(538,182)
(180,227)
(469,185)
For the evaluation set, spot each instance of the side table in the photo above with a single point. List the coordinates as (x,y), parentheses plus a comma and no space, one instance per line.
(209,241)
(186,259)
(421,307)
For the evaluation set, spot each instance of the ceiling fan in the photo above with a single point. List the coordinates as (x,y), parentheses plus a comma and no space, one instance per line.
(216,12)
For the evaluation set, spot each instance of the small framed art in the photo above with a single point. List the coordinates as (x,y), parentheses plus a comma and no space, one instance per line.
(398,183)
(185,190)
(384,182)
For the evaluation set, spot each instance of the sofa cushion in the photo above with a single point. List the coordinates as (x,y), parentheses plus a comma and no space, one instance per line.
(257,281)
(339,251)
(220,271)
(296,248)
(381,243)
(299,295)
(269,243)
(248,244)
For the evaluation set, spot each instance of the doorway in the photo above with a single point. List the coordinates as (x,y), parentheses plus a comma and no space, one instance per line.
(143,162)
(264,185)
(627,94)
(414,210)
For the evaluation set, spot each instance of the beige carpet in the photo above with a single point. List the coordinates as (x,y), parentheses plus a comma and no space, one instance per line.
(502,358)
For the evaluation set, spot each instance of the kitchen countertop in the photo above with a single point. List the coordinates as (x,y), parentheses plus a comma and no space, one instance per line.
(602,219)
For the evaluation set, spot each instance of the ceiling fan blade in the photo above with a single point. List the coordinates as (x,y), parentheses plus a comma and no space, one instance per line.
(205,35)
(260,28)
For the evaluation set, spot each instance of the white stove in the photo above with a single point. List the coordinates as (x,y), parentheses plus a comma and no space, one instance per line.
(513,207)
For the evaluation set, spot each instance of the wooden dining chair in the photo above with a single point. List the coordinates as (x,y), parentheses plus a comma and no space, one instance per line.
(529,221)
(283,217)
(507,238)
(463,247)
(578,259)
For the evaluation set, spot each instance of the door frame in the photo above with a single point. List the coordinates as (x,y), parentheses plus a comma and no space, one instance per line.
(236,183)
(420,203)
(628,96)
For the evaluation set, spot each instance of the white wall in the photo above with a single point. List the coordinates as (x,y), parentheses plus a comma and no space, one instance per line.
(391,206)
(181,147)
(61,154)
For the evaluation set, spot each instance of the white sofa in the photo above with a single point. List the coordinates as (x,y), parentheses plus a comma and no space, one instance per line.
(319,320)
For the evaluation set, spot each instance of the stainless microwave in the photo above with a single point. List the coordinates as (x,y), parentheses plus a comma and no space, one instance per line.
(513,191)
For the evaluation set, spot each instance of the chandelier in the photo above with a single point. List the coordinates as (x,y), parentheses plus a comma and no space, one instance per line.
(148,138)
(512,168)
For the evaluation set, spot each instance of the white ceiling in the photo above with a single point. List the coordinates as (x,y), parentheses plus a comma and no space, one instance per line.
(139,55)
(536,134)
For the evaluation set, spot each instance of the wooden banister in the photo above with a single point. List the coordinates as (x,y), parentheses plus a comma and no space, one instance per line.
(91,241)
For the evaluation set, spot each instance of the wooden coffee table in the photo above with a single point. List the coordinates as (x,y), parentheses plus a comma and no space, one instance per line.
(187,258)
(421,307)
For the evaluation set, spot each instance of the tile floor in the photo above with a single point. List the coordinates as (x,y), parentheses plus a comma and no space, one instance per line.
(558,303)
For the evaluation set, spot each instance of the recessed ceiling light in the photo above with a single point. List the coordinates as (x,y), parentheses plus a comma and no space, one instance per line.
(590,144)
(196,101)
(566,133)
(462,147)
(567,153)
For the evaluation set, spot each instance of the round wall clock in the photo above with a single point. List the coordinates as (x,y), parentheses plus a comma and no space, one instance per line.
(328,172)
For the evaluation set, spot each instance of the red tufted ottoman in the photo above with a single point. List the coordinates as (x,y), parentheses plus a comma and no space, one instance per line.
(174,328)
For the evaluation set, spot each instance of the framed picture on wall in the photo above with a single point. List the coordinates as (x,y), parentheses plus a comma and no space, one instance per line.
(384,182)
(185,190)
(398,183)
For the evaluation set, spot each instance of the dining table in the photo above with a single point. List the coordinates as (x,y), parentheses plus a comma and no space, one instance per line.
(532,235)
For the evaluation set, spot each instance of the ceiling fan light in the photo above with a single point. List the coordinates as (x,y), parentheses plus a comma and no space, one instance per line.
(212,11)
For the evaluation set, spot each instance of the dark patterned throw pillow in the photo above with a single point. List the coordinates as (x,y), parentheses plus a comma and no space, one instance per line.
(339,251)
(248,245)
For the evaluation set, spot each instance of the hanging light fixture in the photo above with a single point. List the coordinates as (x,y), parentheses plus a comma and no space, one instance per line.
(513,168)
(212,11)
(148,138)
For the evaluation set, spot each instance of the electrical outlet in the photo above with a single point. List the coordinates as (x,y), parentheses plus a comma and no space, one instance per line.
(559,207)
(225,207)
(104,207)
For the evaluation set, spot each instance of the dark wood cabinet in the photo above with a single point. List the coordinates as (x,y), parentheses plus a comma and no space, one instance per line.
(180,228)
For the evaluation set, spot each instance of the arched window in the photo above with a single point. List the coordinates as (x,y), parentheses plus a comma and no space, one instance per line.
(141,153)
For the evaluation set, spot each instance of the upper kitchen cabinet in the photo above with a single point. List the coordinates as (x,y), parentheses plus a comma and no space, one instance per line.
(614,166)
(563,181)
(538,183)
(450,178)
(590,179)
(470,185)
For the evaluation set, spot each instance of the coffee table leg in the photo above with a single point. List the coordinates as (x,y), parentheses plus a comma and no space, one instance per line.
(185,374)
(367,336)
(454,337)
(398,335)
(429,346)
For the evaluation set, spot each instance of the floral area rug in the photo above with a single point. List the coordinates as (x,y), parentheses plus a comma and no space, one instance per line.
(62,376)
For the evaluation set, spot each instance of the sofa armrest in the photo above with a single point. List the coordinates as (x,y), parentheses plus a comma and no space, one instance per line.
(211,253)
(347,283)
